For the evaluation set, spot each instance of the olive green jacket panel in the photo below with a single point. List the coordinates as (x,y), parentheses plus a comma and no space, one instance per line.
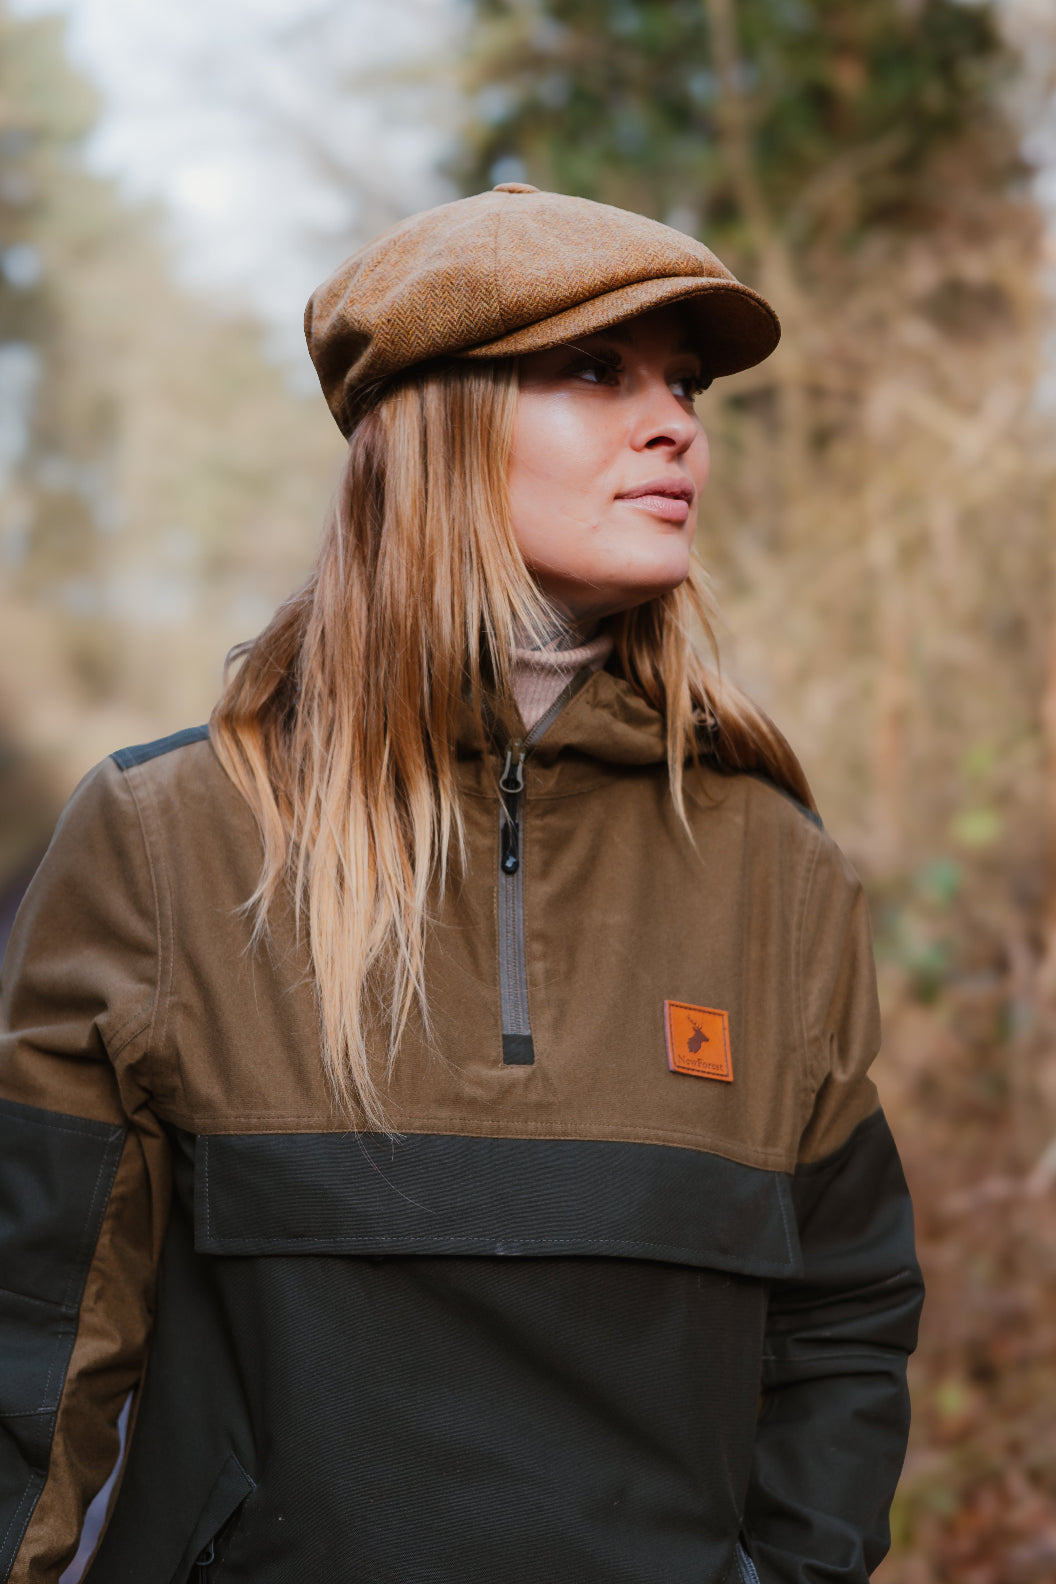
(753,912)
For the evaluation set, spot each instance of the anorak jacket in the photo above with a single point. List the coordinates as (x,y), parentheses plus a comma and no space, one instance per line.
(626,1297)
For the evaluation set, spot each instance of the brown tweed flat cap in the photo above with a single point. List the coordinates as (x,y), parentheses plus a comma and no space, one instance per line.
(517,270)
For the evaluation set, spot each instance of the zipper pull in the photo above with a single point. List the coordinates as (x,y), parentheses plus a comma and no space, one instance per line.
(509,857)
(205,1560)
(512,777)
(511,785)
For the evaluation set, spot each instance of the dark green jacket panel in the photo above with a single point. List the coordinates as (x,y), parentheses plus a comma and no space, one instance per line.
(422,1193)
(582,1417)
(832,1436)
(56,1175)
(604,1404)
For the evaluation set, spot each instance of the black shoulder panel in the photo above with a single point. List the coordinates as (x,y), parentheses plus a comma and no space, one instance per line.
(714,762)
(125,758)
(810,814)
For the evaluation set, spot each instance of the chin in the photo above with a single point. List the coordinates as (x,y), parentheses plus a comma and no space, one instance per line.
(656,580)
(605,594)
(628,597)
(643,596)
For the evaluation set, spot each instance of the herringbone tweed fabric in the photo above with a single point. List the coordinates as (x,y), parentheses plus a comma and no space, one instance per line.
(517,270)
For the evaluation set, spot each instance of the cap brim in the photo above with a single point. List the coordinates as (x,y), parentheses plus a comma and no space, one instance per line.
(736,327)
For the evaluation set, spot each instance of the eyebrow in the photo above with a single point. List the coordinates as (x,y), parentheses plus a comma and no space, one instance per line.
(621,336)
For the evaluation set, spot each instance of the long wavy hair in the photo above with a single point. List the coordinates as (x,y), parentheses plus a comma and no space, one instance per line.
(338,724)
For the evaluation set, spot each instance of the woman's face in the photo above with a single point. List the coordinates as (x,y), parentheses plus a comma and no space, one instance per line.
(609,459)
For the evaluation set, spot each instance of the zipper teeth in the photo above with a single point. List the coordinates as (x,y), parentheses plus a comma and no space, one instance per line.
(566,695)
(513,967)
(747,1566)
(513,974)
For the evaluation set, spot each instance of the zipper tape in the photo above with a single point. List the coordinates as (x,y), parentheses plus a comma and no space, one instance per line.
(518,1049)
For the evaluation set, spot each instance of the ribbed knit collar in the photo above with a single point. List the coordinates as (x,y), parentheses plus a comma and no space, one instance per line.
(540,674)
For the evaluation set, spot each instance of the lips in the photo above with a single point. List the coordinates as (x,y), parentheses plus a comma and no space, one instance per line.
(667,498)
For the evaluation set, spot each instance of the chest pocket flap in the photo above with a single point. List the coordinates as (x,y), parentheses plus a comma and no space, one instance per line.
(428,1194)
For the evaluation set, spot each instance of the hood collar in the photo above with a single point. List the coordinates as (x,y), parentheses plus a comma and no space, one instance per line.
(606,721)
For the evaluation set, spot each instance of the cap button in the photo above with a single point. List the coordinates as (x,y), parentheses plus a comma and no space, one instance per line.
(514,187)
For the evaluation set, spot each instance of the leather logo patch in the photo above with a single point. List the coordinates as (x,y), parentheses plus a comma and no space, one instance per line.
(698,1041)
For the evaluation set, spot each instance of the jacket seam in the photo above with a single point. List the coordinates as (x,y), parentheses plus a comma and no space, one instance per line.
(789,1244)
(69,1125)
(781,1161)
(32,1413)
(205,1185)
(129,1030)
(109,1171)
(826,1163)
(66,1328)
(130,1027)
(29,1498)
(134,1025)
(73,1315)
(761,1267)
(808,1077)
(809,1364)
(43,1303)
(156,1021)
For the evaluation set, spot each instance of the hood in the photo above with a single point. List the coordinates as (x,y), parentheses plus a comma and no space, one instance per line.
(605,723)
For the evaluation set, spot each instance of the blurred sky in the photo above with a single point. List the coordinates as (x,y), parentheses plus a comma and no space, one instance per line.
(276,133)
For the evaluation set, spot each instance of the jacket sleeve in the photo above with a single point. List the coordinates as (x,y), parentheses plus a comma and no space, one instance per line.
(83,1170)
(832,1431)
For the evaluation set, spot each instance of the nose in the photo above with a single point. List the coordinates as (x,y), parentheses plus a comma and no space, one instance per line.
(662,422)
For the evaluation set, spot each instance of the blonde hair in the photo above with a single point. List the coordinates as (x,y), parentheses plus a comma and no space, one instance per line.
(339,726)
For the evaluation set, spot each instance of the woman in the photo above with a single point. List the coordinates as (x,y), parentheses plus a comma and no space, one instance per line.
(451,1066)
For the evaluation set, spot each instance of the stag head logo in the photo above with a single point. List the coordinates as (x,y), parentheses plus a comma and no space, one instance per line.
(696,1040)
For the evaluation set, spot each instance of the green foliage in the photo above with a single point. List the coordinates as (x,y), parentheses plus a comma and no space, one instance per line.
(619,100)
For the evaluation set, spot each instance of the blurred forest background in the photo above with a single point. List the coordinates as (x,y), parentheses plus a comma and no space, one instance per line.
(880,529)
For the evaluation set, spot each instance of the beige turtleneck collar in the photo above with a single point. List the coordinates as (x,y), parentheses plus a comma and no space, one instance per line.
(540,675)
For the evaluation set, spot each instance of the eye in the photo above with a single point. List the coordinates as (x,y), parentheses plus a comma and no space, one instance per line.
(689,386)
(594,368)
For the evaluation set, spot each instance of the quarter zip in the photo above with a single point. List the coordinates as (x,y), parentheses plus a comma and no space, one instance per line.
(517,1047)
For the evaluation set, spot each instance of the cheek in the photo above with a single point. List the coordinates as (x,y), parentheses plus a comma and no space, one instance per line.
(555,475)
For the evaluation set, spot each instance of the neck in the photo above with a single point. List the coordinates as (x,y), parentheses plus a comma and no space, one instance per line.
(563,632)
